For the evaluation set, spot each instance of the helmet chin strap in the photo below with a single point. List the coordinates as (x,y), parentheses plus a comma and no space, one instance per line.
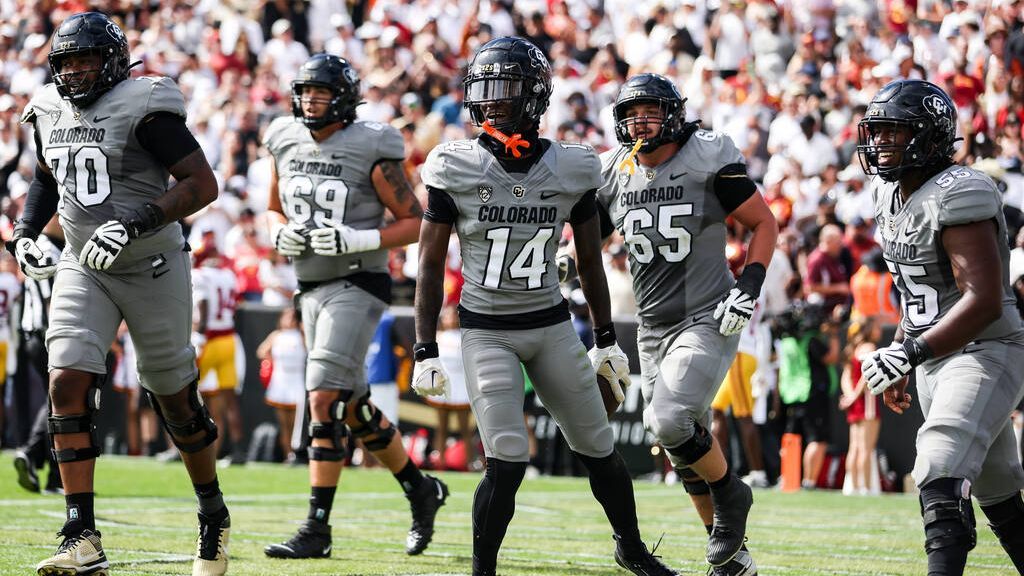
(628,163)
(512,143)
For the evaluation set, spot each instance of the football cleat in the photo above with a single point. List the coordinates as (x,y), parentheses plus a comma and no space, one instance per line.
(80,552)
(730,526)
(424,502)
(742,564)
(638,560)
(212,546)
(27,477)
(313,540)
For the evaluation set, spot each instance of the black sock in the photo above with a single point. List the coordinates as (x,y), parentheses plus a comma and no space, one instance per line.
(613,488)
(494,504)
(409,477)
(722,482)
(947,539)
(320,503)
(1006,519)
(211,500)
(80,509)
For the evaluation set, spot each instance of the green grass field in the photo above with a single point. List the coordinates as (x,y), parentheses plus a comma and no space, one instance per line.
(147,515)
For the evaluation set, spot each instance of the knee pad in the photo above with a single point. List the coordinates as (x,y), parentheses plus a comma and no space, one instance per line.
(199,422)
(335,430)
(75,424)
(369,417)
(692,482)
(695,448)
(948,514)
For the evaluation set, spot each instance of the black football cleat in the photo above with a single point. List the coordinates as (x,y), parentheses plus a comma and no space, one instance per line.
(424,502)
(313,540)
(637,559)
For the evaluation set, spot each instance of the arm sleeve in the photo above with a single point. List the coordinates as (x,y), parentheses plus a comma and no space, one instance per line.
(41,200)
(607,226)
(584,209)
(166,137)
(733,186)
(441,207)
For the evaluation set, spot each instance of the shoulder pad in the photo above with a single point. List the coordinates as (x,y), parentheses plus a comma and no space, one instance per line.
(275,133)
(442,169)
(578,166)
(29,115)
(164,96)
(713,150)
(965,196)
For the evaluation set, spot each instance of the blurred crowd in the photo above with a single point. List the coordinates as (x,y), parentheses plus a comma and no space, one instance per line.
(787,80)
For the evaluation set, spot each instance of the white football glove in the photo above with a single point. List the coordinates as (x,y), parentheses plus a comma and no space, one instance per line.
(336,238)
(33,262)
(735,311)
(288,239)
(105,246)
(613,365)
(885,367)
(429,378)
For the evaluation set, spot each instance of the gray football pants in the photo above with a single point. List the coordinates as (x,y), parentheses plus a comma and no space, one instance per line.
(682,365)
(339,320)
(562,376)
(155,301)
(967,399)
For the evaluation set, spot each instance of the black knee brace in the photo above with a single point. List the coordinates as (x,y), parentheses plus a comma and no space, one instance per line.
(335,430)
(692,482)
(695,448)
(369,417)
(1006,519)
(200,422)
(74,424)
(948,515)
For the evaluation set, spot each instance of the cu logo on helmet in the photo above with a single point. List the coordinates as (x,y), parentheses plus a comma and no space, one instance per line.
(936,106)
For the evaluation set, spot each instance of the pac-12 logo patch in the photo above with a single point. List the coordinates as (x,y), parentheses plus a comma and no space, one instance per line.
(485,193)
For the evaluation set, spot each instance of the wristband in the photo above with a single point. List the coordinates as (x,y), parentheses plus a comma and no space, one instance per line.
(424,350)
(604,336)
(751,279)
(917,350)
(143,220)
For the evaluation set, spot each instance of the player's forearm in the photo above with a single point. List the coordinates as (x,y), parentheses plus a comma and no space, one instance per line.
(962,324)
(195,188)
(590,268)
(401,232)
(762,242)
(430,279)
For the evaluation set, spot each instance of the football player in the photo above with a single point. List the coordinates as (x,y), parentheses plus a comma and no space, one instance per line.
(945,242)
(333,178)
(106,146)
(507,195)
(668,190)
(221,359)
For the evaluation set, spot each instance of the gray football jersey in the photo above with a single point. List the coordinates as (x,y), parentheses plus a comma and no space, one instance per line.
(911,241)
(102,170)
(509,224)
(674,225)
(331,180)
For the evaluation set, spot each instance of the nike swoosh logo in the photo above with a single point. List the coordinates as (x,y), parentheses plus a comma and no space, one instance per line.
(99,118)
(675,176)
(327,550)
(337,156)
(440,491)
(546,195)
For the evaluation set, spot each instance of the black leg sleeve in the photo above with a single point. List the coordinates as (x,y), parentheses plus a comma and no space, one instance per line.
(613,488)
(494,504)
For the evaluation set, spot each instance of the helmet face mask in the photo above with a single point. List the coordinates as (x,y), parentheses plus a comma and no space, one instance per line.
(909,125)
(337,76)
(649,89)
(508,84)
(80,36)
